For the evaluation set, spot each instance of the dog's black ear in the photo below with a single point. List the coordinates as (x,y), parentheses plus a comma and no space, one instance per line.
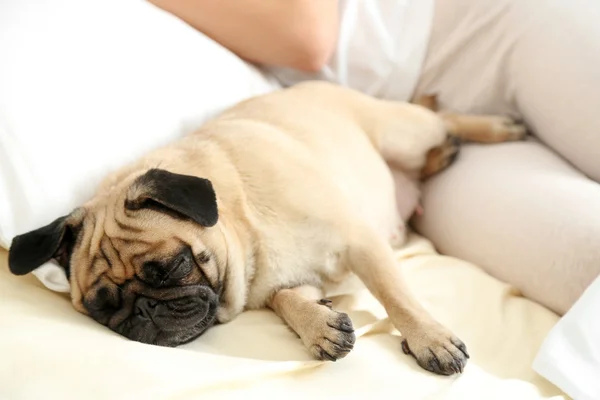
(178,195)
(53,241)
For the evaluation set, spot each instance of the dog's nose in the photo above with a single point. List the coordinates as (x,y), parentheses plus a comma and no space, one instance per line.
(145,307)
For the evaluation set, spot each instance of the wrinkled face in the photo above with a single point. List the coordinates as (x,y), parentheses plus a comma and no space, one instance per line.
(158,284)
(147,263)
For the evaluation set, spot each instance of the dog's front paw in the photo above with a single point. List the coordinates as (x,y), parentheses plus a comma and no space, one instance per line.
(330,334)
(438,351)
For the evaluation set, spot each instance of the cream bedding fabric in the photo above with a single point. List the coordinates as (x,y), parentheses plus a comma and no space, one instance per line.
(49,351)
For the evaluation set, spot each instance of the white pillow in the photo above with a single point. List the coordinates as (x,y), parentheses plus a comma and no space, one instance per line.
(570,355)
(89,85)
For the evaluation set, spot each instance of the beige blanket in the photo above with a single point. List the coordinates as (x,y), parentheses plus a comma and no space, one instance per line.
(49,351)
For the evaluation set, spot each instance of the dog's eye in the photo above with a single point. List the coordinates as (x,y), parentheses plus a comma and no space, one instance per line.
(180,269)
(154,273)
(182,265)
(160,274)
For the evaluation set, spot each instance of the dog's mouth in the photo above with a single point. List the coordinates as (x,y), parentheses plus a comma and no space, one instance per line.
(170,322)
(180,337)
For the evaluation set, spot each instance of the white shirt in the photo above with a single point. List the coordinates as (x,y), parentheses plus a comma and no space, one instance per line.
(380,50)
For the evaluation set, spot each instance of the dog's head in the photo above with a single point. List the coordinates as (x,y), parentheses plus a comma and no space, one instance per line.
(146,259)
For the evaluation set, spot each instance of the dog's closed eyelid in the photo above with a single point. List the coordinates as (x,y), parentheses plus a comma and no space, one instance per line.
(154,272)
(158,273)
(181,268)
(152,265)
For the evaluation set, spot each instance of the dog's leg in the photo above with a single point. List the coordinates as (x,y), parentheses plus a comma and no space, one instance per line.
(416,138)
(483,128)
(405,133)
(433,346)
(413,139)
(328,334)
(476,128)
(469,128)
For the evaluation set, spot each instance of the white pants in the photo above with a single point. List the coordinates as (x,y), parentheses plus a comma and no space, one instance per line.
(528,212)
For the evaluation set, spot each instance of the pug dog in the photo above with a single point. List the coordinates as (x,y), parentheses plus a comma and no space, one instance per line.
(263,206)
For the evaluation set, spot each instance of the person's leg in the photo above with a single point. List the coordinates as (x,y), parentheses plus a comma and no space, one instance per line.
(521,213)
(555,69)
(518,210)
(535,59)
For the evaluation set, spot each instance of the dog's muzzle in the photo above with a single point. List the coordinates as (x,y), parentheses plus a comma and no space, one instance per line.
(168,317)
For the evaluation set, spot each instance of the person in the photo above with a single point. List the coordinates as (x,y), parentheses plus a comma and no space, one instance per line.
(527,212)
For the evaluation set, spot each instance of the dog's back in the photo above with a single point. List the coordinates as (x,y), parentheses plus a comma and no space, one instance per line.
(326,154)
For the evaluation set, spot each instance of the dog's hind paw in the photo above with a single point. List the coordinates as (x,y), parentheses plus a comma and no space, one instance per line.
(508,130)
